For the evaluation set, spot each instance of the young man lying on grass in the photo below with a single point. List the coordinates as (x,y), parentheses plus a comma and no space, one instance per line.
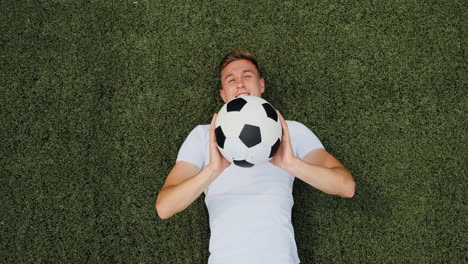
(249,209)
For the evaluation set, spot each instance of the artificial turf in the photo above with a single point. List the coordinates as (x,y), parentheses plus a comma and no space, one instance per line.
(98,96)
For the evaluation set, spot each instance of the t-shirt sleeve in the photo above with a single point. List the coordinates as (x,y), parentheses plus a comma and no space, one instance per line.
(192,148)
(303,139)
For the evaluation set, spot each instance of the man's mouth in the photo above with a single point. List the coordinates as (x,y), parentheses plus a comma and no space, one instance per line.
(241,94)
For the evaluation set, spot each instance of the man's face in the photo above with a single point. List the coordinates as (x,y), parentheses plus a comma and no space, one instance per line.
(241,77)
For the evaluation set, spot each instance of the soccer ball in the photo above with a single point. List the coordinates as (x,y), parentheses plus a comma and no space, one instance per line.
(248,131)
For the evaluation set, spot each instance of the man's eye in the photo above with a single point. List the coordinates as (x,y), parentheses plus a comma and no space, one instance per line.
(248,76)
(230,81)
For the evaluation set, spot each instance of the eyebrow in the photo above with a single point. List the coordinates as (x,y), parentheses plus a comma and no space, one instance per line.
(244,71)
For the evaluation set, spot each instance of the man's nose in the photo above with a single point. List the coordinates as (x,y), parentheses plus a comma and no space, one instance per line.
(240,83)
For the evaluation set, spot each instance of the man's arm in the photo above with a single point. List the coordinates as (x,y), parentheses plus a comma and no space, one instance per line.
(324,172)
(186,182)
(318,168)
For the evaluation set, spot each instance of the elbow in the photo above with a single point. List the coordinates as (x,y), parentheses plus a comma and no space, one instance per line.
(163,213)
(349,190)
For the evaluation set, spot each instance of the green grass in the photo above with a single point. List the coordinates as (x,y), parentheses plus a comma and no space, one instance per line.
(98,96)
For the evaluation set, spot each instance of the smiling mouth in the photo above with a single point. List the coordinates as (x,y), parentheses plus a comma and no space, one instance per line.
(241,94)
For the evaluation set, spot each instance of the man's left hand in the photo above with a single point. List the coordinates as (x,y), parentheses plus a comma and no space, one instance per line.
(284,157)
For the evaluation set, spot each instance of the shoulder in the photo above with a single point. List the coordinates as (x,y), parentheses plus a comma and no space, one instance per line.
(200,132)
(303,140)
(300,132)
(194,148)
(292,123)
(296,127)
(200,129)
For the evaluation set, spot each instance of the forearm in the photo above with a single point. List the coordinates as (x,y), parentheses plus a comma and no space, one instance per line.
(336,180)
(174,199)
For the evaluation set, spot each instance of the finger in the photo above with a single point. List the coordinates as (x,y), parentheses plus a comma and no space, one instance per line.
(283,122)
(212,128)
(280,116)
(285,136)
(213,120)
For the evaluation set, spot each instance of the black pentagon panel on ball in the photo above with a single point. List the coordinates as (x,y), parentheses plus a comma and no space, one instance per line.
(236,105)
(250,135)
(220,137)
(274,148)
(270,111)
(243,163)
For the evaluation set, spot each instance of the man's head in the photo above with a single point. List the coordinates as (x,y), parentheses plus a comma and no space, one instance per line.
(240,75)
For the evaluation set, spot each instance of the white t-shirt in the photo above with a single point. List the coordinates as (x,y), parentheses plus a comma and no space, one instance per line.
(250,208)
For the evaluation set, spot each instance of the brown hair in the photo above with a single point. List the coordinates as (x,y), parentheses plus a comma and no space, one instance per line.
(237,54)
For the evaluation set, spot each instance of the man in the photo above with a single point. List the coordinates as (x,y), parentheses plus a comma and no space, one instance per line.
(249,208)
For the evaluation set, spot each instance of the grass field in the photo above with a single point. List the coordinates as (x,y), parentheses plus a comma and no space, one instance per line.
(98,96)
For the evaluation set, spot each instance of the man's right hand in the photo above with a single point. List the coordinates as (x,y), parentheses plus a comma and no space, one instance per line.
(217,162)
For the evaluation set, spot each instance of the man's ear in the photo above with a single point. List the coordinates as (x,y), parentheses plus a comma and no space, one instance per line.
(262,85)
(223,95)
